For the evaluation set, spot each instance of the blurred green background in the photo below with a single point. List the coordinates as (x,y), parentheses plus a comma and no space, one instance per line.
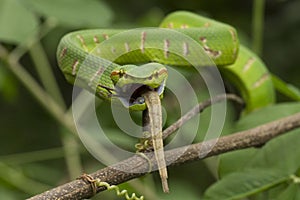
(36,152)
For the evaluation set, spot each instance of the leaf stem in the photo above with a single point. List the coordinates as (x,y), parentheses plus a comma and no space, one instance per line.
(257,26)
(45,72)
(72,154)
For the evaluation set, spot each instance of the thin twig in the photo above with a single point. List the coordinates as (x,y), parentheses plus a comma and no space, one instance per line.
(137,166)
(198,109)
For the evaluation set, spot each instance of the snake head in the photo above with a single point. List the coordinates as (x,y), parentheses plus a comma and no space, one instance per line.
(132,81)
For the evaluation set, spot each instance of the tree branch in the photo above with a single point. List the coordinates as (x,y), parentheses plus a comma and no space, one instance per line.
(198,109)
(125,170)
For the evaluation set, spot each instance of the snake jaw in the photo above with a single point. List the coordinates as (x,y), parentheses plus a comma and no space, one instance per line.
(131,94)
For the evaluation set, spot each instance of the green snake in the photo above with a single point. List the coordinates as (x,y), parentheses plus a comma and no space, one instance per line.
(124,68)
(145,66)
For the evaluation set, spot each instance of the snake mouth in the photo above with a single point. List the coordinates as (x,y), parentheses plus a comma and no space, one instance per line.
(131,94)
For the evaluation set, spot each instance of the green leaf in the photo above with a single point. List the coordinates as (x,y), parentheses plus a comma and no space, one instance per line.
(235,161)
(242,184)
(266,115)
(280,155)
(286,89)
(74,13)
(17,23)
(292,192)
(8,194)
(263,167)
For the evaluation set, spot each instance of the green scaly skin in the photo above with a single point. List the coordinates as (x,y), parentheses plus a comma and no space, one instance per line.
(100,72)
(248,73)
